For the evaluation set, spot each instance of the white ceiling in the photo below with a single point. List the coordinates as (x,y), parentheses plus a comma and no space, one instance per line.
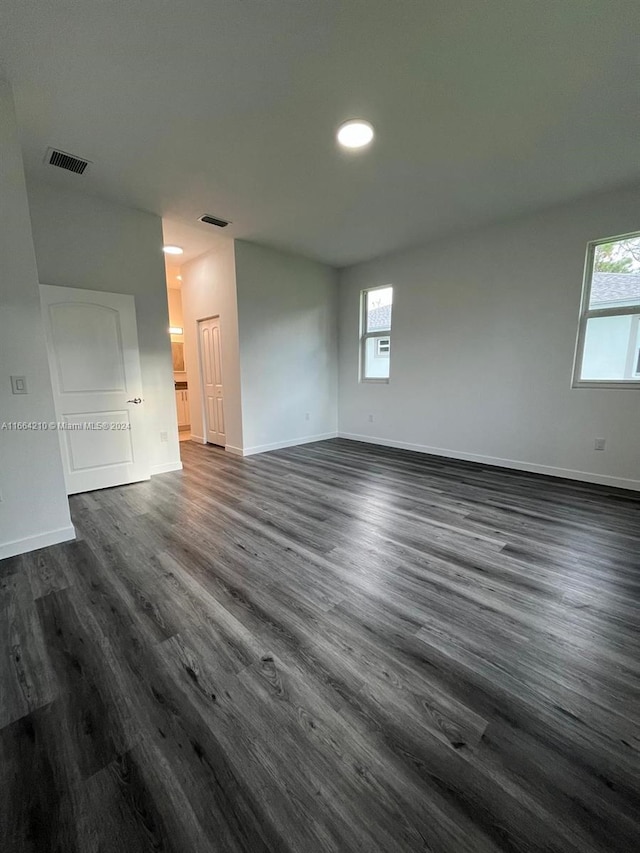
(194,238)
(482,109)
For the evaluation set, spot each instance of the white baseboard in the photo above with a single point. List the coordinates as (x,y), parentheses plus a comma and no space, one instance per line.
(292,442)
(515,464)
(199,438)
(237,451)
(165,468)
(32,543)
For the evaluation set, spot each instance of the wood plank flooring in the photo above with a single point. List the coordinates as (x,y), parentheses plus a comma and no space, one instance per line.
(333,647)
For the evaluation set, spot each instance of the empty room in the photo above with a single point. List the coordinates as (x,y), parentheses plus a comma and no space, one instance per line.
(319,426)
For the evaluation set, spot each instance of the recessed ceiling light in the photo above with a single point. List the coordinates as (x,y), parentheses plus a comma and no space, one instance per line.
(179,277)
(172,250)
(355,133)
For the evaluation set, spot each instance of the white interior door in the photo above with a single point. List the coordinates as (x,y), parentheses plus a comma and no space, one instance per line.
(211,367)
(92,341)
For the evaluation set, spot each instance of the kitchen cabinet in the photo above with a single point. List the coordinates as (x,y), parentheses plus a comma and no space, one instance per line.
(182,406)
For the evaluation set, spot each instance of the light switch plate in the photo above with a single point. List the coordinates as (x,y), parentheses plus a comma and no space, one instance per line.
(19,384)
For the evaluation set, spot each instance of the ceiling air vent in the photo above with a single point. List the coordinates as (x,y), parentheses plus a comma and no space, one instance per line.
(212,220)
(66,161)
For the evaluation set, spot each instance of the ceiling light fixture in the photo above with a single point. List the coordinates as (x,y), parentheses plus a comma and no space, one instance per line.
(172,250)
(355,133)
(175,330)
(179,277)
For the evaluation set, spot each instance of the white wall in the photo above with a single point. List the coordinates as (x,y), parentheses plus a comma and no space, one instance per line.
(34,511)
(287,321)
(209,290)
(82,241)
(484,330)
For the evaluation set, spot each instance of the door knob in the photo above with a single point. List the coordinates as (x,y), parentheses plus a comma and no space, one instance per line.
(135,400)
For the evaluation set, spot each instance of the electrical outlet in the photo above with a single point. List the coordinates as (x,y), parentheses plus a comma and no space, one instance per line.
(370,419)
(600,443)
(164,436)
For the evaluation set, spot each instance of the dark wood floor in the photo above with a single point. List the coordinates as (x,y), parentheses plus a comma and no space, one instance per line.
(327,648)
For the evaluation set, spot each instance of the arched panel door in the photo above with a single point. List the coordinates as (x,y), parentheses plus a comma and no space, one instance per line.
(92,343)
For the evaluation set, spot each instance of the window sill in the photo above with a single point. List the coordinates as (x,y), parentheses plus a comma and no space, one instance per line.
(606,383)
(374,381)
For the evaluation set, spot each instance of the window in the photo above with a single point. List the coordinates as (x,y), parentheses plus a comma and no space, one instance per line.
(608,348)
(375,334)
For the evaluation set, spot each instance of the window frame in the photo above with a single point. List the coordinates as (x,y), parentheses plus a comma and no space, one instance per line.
(587,313)
(378,333)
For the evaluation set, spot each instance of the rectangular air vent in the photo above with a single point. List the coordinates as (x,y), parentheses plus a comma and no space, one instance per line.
(66,161)
(212,220)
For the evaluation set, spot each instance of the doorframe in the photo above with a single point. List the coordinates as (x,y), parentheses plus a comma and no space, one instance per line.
(203,396)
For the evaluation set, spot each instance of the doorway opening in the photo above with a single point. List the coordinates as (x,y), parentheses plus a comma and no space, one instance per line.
(202,298)
(176,330)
